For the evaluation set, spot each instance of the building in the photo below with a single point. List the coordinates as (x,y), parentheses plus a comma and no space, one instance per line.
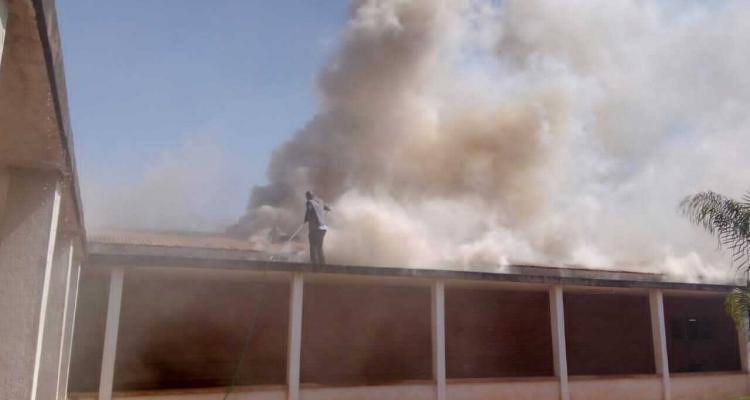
(156,316)
(42,238)
(167,317)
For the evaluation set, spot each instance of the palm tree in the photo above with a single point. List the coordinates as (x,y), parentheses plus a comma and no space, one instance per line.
(729,221)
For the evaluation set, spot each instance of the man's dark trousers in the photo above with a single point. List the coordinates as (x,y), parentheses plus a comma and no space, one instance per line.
(316,246)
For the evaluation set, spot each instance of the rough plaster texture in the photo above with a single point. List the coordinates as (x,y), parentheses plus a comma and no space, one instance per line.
(707,386)
(616,388)
(536,389)
(53,327)
(24,240)
(26,109)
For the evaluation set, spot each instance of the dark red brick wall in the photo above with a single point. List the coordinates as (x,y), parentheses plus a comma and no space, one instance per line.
(364,334)
(608,334)
(183,329)
(497,333)
(710,344)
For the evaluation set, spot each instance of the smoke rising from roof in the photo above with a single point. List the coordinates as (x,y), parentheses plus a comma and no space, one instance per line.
(466,133)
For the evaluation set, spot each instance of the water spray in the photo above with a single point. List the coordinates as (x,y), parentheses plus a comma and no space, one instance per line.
(277,256)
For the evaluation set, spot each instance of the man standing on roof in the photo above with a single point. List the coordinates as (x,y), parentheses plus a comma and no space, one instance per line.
(315,219)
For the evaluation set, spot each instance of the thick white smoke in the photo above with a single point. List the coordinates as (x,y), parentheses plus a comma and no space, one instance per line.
(469,133)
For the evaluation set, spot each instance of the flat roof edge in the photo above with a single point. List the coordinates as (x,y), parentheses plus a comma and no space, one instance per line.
(121,255)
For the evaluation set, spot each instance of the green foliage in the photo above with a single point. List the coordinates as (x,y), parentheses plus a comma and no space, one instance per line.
(737,304)
(727,219)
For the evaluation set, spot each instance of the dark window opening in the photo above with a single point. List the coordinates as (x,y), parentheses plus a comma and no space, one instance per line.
(700,336)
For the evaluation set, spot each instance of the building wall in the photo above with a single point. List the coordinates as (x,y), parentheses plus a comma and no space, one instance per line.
(608,333)
(505,389)
(700,335)
(616,388)
(88,339)
(357,333)
(368,339)
(183,329)
(497,333)
(704,386)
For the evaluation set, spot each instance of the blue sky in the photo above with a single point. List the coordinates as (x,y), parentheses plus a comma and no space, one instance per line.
(144,77)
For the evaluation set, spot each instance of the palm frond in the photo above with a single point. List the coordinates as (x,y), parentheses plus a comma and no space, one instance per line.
(727,219)
(737,304)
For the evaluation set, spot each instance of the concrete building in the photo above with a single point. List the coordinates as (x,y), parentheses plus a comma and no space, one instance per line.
(188,317)
(41,227)
(167,318)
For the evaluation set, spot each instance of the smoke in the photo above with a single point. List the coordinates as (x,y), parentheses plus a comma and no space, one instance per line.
(468,133)
(190,187)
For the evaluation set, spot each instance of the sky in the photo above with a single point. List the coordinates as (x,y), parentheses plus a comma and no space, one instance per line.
(161,85)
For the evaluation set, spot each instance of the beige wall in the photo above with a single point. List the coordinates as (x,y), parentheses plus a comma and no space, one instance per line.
(684,387)
(526,389)
(624,388)
(209,394)
(391,392)
(27,236)
(709,386)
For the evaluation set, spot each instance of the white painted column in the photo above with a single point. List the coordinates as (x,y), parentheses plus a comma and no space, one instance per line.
(743,336)
(438,339)
(70,318)
(52,343)
(659,335)
(3,24)
(28,233)
(559,354)
(110,334)
(295,336)
(45,294)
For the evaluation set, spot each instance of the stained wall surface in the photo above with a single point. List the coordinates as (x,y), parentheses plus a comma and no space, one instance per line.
(357,333)
(497,333)
(608,334)
(88,337)
(187,329)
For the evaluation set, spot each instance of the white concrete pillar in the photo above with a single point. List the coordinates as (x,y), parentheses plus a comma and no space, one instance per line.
(70,317)
(438,340)
(28,232)
(295,336)
(743,335)
(559,353)
(3,25)
(659,335)
(4,179)
(110,334)
(49,370)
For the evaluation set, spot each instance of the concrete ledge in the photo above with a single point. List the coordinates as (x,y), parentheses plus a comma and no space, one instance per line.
(709,385)
(139,256)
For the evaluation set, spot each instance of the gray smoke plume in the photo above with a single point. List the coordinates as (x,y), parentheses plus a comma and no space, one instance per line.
(467,133)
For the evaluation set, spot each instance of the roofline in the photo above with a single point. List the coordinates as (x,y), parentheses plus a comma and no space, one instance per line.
(138,256)
(49,33)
